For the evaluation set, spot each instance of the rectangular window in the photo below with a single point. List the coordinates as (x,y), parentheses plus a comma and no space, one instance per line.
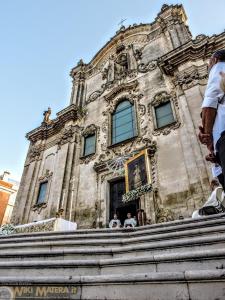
(164,115)
(123,123)
(42,193)
(89,145)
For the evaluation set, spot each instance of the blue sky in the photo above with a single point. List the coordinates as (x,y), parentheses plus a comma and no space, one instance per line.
(42,40)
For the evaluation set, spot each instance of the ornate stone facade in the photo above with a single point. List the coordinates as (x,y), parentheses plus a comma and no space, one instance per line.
(147,65)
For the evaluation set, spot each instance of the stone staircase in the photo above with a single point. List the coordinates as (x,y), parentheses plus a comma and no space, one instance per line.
(182,260)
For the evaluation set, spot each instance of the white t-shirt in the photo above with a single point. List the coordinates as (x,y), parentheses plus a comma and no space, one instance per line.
(216,196)
(114,223)
(130,222)
(213,95)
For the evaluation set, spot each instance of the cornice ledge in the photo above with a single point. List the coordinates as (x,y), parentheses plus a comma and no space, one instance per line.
(201,47)
(44,131)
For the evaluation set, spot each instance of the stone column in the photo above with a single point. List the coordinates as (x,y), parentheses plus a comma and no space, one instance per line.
(193,157)
(78,90)
(57,194)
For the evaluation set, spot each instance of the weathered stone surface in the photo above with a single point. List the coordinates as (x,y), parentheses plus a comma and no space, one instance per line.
(182,259)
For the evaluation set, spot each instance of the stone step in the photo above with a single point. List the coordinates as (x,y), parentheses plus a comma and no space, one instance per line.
(144,286)
(180,245)
(118,233)
(194,260)
(105,243)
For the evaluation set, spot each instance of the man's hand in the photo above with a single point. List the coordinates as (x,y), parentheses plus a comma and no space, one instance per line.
(211,157)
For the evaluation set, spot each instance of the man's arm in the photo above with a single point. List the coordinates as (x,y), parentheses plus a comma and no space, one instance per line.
(205,134)
(208,119)
(209,107)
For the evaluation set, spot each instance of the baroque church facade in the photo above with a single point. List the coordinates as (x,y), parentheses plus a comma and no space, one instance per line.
(142,91)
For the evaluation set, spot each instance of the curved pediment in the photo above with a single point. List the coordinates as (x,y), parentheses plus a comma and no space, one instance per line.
(136,35)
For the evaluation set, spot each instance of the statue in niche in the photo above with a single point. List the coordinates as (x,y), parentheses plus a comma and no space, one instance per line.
(108,73)
(132,63)
(121,66)
(46,115)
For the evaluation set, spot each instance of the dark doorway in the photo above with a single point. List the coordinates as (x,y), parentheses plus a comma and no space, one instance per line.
(117,189)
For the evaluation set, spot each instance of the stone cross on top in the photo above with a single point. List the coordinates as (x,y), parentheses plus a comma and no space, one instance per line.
(121,22)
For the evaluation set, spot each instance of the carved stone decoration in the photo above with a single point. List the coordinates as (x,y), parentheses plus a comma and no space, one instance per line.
(66,136)
(164,215)
(130,88)
(142,109)
(200,48)
(199,38)
(86,159)
(35,152)
(120,65)
(154,174)
(95,95)
(132,147)
(150,66)
(192,76)
(37,227)
(160,98)
(70,113)
(38,207)
(46,175)
(89,130)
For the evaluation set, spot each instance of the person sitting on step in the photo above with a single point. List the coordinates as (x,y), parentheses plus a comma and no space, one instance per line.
(215,203)
(130,222)
(115,222)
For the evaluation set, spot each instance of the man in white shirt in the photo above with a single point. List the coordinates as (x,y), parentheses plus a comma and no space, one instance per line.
(115,222)
(130,222)
(215,202)
(212,131)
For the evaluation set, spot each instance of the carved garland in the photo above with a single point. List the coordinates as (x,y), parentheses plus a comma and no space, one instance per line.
(163,97)
(192,76)
(35,152)
(67,135)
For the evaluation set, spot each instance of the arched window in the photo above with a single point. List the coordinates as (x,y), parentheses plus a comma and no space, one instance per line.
(123,122)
